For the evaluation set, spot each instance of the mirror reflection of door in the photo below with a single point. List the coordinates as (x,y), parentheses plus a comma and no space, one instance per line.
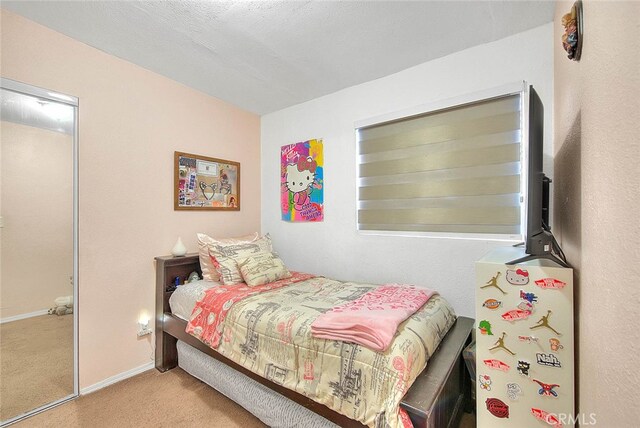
(36,253)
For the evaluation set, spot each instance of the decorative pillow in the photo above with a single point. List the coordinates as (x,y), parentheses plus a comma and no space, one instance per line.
(262,268)
(209,271)
(225,257)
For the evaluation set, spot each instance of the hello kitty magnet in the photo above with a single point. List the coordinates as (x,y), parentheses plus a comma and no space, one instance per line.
(517,276)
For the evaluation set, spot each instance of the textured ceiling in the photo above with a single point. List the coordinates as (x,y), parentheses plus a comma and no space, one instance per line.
(267,55)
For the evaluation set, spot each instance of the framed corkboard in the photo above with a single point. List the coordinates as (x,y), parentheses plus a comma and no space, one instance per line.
(204,183)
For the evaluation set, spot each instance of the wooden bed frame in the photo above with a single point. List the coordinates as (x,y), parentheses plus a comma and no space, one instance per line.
(435,400)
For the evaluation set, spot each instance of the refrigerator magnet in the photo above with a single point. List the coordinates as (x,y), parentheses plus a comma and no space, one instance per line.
(545,416)
(513,391)
(549,360)
(555,345)
(493,282)
(485,328)
(529,297)
(500,345)
(517,276)
(544,322)
(547,389)
(492,304)
(550,283)
(528,339)
(497,407)
(485,382)
(523,367)
(516,315)
(497,365)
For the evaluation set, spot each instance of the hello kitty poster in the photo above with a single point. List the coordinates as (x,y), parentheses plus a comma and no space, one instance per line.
(302,181)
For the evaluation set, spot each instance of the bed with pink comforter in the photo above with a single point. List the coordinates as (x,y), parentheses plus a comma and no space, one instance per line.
(268,330)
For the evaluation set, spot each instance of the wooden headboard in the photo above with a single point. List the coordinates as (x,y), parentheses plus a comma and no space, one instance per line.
(167,269)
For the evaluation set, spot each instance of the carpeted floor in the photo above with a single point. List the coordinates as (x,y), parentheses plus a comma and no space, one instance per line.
(153,399)
(36,363)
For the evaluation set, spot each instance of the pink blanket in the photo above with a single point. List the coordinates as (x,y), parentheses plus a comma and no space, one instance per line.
(372,320)
(207,317)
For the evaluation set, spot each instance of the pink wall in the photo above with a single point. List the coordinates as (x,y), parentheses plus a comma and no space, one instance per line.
(597,177)
(36,192)
(131,122)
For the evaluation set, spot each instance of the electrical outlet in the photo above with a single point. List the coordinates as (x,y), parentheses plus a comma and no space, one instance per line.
(144,331)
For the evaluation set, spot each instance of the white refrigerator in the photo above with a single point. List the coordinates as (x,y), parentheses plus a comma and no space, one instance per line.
(524,342)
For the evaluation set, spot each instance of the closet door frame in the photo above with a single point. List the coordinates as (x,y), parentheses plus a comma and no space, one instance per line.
(26,89)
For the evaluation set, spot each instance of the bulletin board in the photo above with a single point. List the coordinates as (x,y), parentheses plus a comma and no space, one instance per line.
(204,183)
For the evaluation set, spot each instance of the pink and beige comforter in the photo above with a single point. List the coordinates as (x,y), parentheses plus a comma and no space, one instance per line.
(267,329)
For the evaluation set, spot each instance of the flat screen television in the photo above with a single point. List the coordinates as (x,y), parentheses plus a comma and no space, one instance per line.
(539,241)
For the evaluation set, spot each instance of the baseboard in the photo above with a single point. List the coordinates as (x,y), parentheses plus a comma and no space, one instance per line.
(24,316)
(116,378)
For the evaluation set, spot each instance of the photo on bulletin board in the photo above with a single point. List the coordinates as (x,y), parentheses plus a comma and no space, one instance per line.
(302,182)
(204,183)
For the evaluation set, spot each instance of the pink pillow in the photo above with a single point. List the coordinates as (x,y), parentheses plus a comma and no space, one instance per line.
(209,271)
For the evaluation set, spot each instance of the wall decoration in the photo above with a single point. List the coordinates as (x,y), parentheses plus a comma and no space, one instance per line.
(572,37)
(302,181)
(203,183)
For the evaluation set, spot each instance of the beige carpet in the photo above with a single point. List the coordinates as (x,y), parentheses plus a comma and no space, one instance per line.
(36,363)
(153,399)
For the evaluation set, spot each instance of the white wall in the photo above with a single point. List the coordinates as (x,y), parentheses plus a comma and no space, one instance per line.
(596,144)
(335,248)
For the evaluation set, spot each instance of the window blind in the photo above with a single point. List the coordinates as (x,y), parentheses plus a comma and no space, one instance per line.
(453,170)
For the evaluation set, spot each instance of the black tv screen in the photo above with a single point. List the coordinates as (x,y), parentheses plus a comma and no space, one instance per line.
(539,241)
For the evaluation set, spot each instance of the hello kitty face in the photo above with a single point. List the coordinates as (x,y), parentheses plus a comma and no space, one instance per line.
(301,176)
(517,277)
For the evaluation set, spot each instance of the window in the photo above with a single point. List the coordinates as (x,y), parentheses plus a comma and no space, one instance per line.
(452,170)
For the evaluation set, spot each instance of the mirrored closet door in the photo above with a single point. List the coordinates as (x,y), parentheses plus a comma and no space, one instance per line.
(38,249)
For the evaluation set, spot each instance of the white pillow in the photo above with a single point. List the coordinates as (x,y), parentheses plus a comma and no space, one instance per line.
(226,257)
(262,268)
(209,271)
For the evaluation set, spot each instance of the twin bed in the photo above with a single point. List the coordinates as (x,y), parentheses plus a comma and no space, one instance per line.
(266,359)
